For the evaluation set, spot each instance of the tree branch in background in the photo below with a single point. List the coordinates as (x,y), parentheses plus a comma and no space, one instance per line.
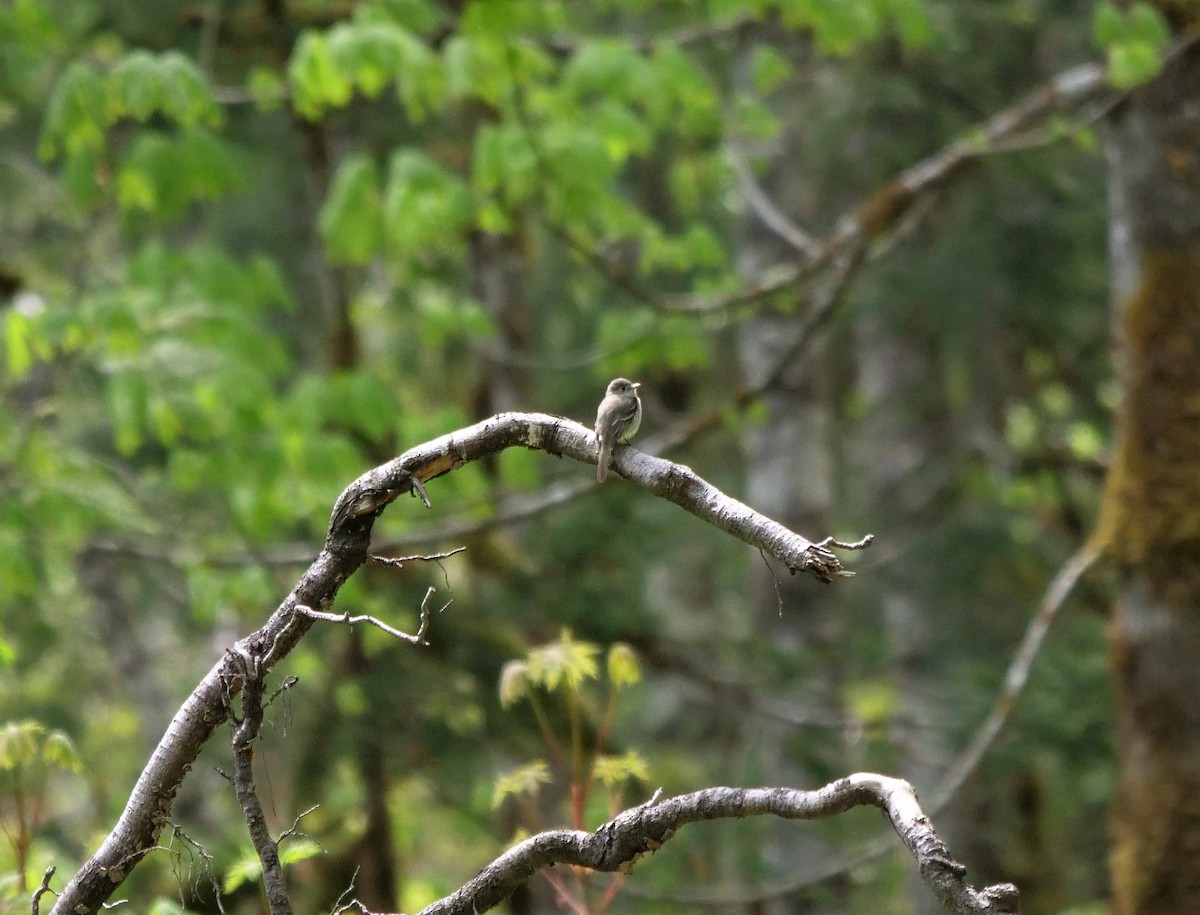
(1061,586)
(348,547)
(640,831)
(875,216)
(866,224)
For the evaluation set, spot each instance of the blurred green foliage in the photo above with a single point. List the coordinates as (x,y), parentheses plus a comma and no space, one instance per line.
(200,200)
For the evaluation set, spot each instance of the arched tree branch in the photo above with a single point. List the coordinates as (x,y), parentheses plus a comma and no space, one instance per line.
(618,844)
(347,547)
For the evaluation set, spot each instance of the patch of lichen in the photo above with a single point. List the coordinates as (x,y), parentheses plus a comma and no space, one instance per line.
(1151,503)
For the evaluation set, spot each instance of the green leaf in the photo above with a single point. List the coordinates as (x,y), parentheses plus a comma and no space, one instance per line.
(245,869)
(1084,440)
(609,70)
(872,701)
(565,661)
(525,781)
(426,208)
(623,666)
(316,80)
(692,107)
(1132,64)
(18,343)
(298,849)
(142,84)
(58,751)
(614,771)
(504,162)
(19,743)
(911,20)
(1148,26)
(514,682)
(76,115)
(768,69)
(164,173)
(267,88)
(364,403)
(136,86)
(1108,24)
(351,220)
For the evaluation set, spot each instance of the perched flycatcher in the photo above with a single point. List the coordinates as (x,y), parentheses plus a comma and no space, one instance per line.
(617,420)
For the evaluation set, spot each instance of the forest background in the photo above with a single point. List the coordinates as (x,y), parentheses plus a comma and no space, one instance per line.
(862,256)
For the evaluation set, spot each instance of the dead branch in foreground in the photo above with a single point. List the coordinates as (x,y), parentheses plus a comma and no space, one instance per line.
(346,549)
(641,831)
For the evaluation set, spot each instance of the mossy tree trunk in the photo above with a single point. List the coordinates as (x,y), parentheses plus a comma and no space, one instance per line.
(1150,523)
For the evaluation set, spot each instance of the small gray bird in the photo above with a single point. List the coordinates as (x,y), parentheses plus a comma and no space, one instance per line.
(617,420)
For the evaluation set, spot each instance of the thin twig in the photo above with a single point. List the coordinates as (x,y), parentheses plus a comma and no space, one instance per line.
(397,562)
(44,887)
(764,207)
(209,869)
(1017,676)
(292,830)
(348,620)
(862,544)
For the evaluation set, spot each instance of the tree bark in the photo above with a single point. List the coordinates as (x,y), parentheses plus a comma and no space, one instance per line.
(1150,522)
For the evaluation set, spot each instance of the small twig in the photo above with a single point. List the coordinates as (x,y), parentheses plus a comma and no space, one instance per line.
(764,207)
(862,544)
(177,832)
(419,488)
(292,831)
(347,620)
(775,578)
(562,895)
(397,562)
(287,684)
(338,903)
(43,888)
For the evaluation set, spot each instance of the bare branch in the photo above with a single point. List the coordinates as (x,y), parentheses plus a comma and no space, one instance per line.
(367,496)
(347,619)
(1017,676)
(764,207)
(642,830)
(245,735)
(347,547)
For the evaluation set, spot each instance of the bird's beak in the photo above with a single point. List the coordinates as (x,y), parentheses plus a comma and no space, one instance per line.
(635,385)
